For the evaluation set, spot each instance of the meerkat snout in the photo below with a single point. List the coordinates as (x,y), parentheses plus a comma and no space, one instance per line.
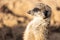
(41,9)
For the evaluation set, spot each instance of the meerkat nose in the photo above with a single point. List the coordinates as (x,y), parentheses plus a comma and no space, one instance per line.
(29,12)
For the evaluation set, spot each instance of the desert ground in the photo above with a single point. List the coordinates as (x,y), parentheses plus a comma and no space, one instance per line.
(14,18)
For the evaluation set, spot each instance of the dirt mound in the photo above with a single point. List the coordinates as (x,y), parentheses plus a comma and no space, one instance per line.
(13,19)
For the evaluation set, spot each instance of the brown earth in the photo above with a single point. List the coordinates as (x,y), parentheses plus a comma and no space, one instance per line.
(14,18)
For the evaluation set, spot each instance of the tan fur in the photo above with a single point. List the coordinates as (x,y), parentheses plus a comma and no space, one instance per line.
(36,31)
(37,28)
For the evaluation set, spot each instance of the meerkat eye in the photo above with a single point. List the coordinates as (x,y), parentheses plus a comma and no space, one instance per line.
(36,9)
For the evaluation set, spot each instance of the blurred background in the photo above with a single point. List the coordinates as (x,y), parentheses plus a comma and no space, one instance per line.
(14,18)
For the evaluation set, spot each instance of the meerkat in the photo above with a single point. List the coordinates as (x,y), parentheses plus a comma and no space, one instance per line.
(37,28)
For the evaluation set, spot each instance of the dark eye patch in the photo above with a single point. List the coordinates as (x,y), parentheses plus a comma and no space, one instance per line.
(36,9)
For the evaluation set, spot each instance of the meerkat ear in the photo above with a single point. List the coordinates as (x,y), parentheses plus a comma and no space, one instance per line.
(47,12)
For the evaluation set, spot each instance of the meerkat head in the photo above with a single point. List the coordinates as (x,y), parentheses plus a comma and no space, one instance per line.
(41,10)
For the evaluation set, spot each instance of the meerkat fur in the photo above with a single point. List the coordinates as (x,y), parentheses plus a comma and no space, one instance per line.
(37,28)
